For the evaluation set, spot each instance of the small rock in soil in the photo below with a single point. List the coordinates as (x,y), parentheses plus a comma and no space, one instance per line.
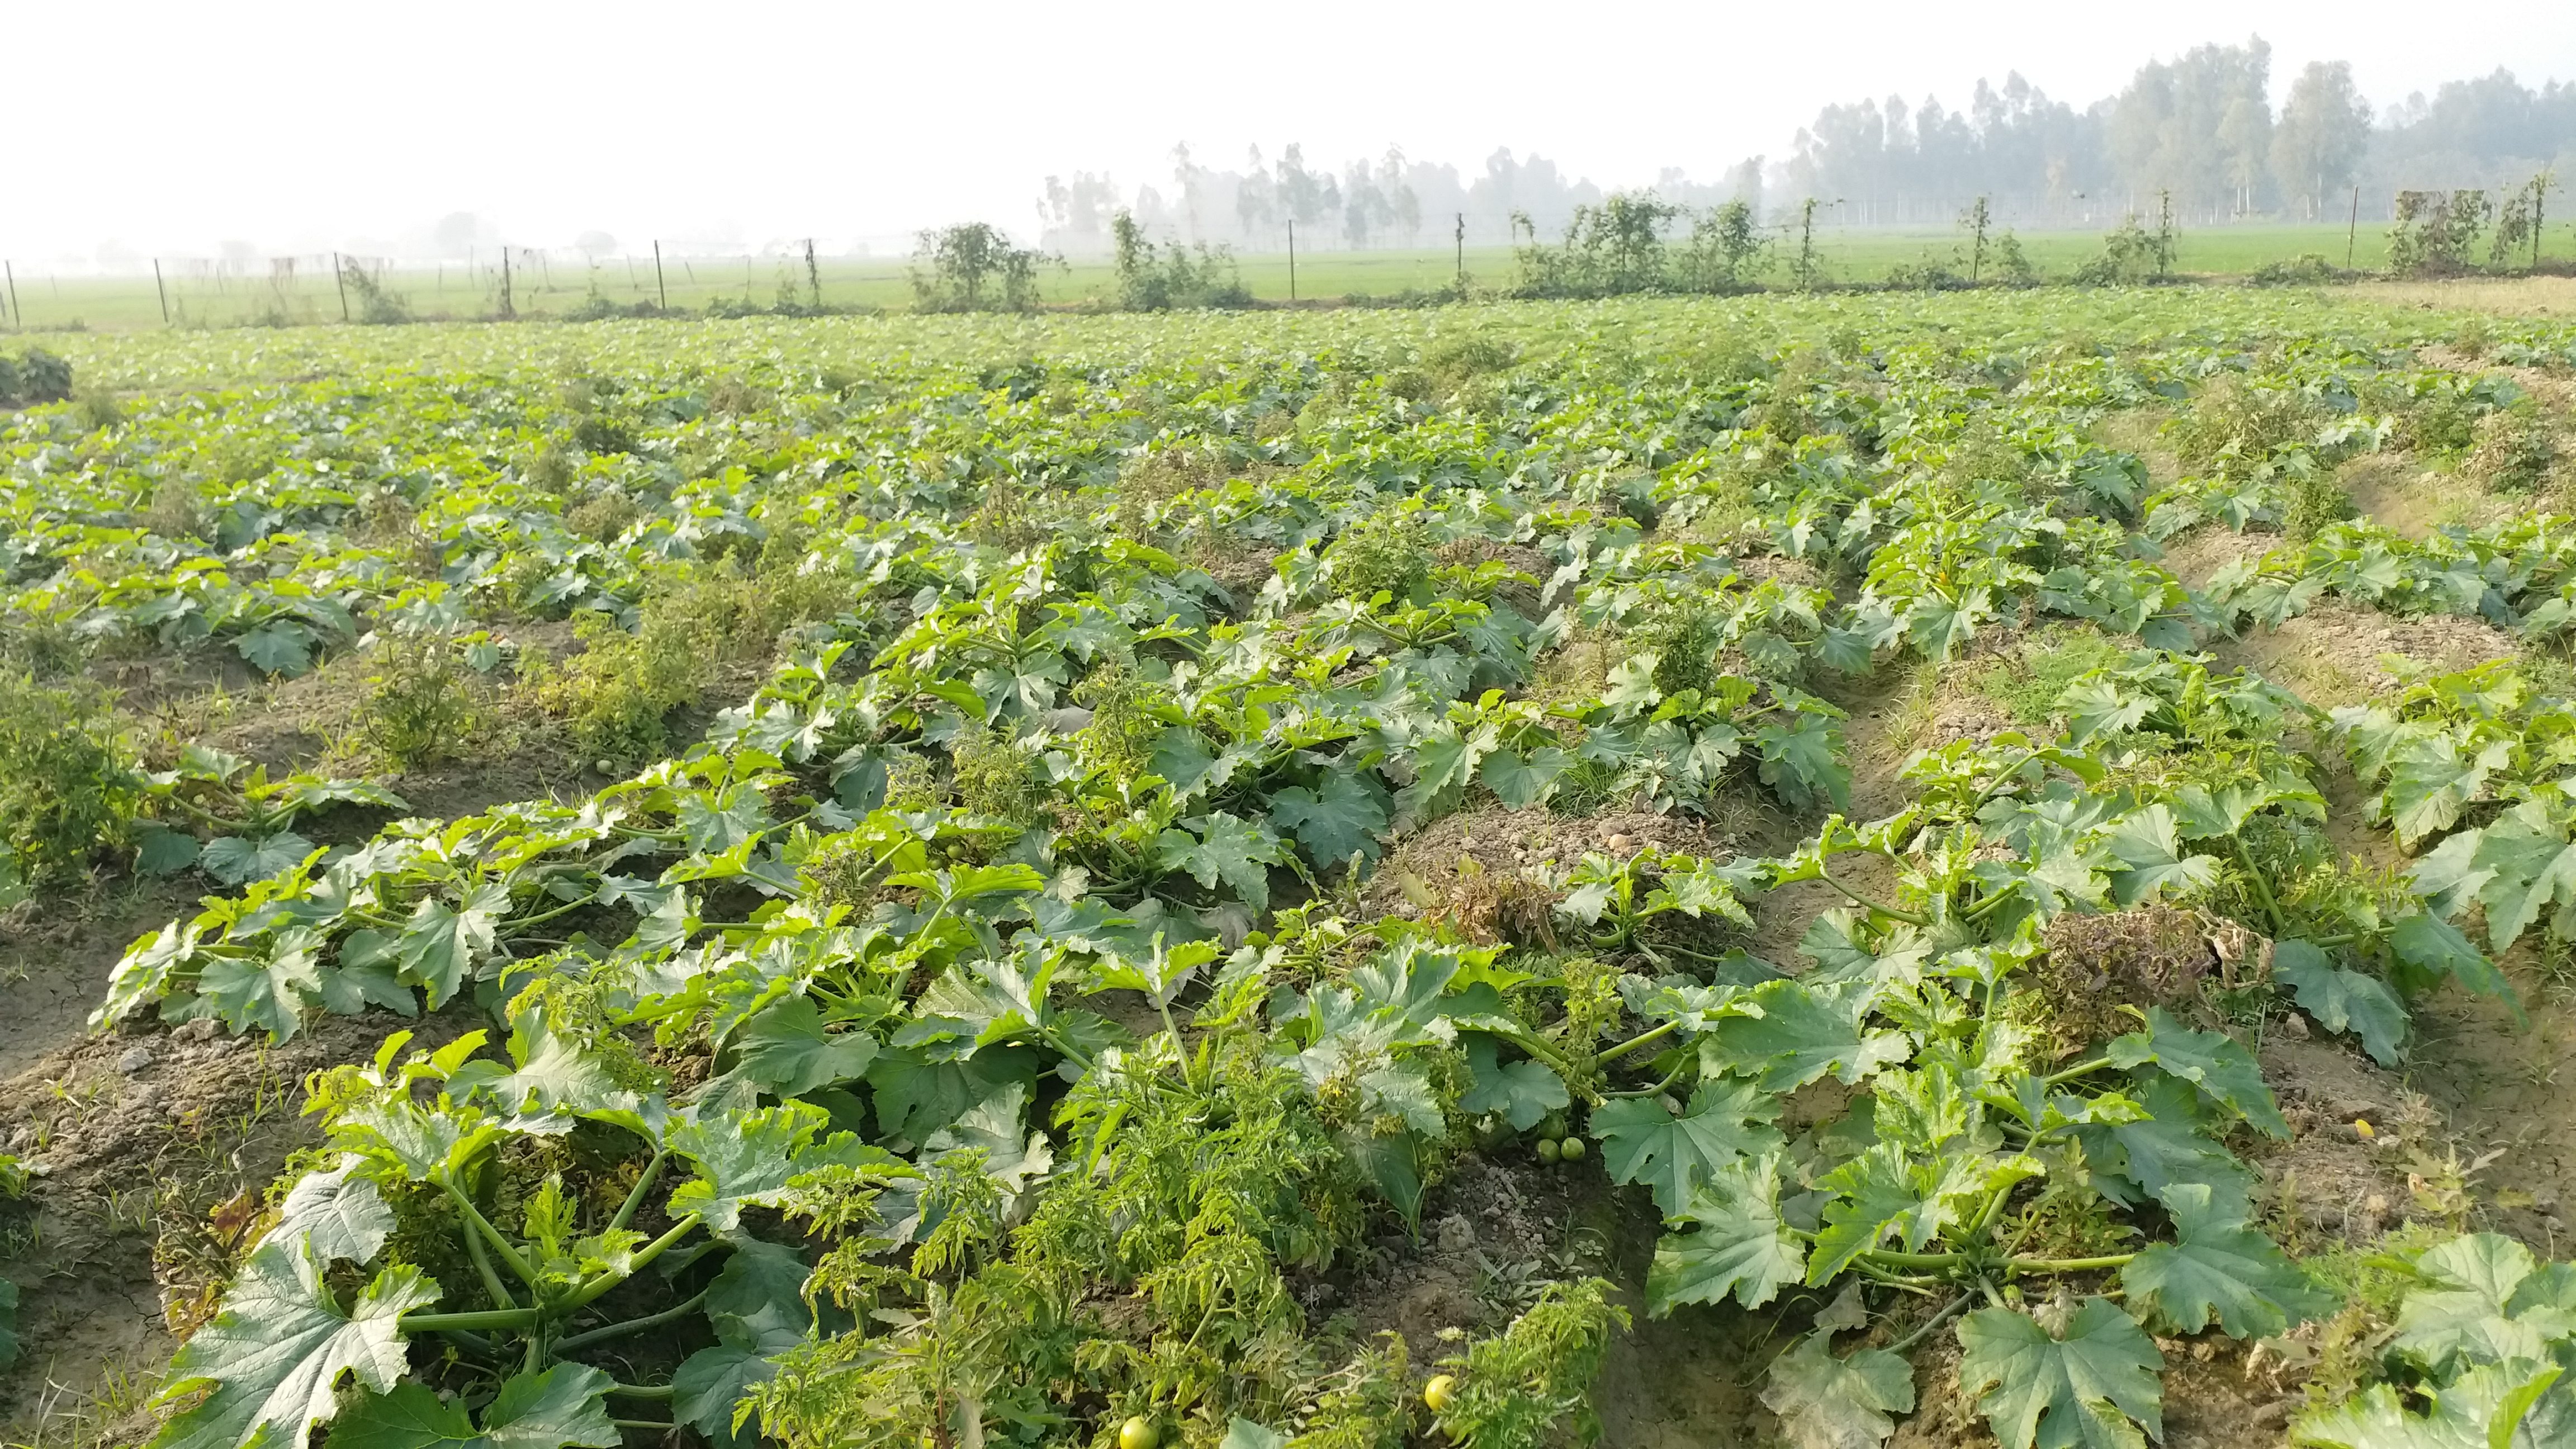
(134,1060)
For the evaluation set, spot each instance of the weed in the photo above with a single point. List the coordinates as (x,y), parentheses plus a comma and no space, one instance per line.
(419,705)
(1388,552)
(2028,682)
(66,794)
(2316,501)
(2513,451)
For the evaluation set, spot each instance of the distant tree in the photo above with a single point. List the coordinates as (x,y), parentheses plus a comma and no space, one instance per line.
(972,267)
(1403,206)
(2324,128)
(455,233)
(595,245)
(1074,216)
(1307,197)
(1256,199)
(2196,126)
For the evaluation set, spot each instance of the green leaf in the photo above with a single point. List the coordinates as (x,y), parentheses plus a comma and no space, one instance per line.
(1522,1091)
(8,1323)
(2466,1306)
(2428,943)
(273,1357)
(1519,780)
(711,1383)
(269,995)
(1676,1156)
(236,861)
(785,1050)
(338,1214)
(1225,849)
(1885,1190)
(163,851)
(1801,761)
(2343,1000)
(1803,1033)
(2219,1065)
(714,825)
(2220,1268)
(278,647)
(1739,1246)
(549,1072)
(1826,1402)
(1245,1434)
(2145,841)
(2056,1390)
(564,1405)
(743,1158)
(441,944)
(1334,821)
(1444,760)
(2483,1409)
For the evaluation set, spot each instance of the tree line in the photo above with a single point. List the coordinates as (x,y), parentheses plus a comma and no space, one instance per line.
(2197,132)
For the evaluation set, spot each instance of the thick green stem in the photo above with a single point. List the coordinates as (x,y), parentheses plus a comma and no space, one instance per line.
(2069,1265)
(641,1391)
(489,1318)
(1908,917)
(492,1284)
(2080,1069)
(1634,1042)
(1889,1258)
(2006,777)
(643,1184)
(2262,888)
(1924,1330)
(662,1425)
(631,1325)
(652,1250)
(509,1253)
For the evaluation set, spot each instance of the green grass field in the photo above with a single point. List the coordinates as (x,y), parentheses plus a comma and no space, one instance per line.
(128,303)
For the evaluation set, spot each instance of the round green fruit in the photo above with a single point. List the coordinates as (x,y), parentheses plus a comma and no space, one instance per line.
(1548,1151)
(1440,1393)
(1138,1433)
(1571,1149)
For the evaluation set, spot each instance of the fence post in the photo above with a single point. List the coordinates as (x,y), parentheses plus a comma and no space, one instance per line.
(506,312)
(340,279)
(660,290)
(14,309)
(1462,252)
(1292,261)
(813,276)
(2352,230)
(162,290)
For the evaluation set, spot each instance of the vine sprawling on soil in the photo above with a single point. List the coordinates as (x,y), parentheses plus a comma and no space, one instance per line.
(976,974)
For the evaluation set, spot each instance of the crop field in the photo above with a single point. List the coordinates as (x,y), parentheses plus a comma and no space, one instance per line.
(1938,869)
(1864,256)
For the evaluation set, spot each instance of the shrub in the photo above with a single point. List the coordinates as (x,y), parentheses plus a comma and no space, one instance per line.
(376,307)
(2433,231)
(34,376)
(2513,451)
(65,791)
(2130,255)
(1389,551)
(419,704)
(2231,419)
(2307,269)
(1157,279)
(974,268)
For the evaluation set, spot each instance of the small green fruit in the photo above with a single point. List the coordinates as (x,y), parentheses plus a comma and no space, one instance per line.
(1440,1393)
(1138,1433)
(1571,1149)
(1548,1151)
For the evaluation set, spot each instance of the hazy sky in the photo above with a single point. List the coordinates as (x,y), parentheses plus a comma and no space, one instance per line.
(170,127)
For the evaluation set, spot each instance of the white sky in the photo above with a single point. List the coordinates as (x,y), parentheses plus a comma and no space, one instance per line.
(170,127)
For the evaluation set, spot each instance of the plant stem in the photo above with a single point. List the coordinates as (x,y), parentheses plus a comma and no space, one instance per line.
(641,1391)
(643,1424)
(502,1245)
(1634,1042)
(643,1184)
(492,1283)
(489,1318)
(652,1250)
(2080,1069)
(2262,887)
(2068,1265)
(1908,917)
(1889,1258)
(1923,1330)
(631,1325)
(2002,778)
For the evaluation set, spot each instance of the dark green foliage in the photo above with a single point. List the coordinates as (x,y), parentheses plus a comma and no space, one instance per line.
(33,376)
(1155,278)
(972,267)
(66,792)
